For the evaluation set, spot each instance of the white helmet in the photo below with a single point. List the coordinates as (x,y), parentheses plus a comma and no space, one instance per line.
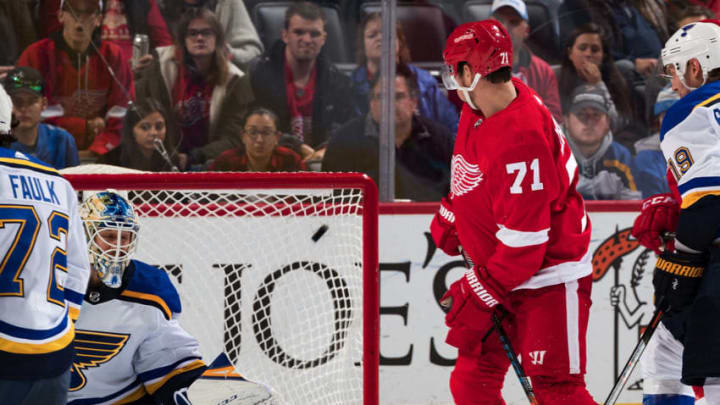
(700,40)
(5,112)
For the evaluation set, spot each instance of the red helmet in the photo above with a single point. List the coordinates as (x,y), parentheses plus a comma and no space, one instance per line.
(485,45)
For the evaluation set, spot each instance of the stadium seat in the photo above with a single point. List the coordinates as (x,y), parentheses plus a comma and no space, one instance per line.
(426,26)
(543,40)
(269,20)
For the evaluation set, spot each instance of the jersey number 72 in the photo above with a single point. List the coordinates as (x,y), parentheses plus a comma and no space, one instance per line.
(13,263)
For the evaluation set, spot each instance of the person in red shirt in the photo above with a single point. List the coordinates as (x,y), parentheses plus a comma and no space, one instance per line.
(87,83)
(260,151)
(514,210)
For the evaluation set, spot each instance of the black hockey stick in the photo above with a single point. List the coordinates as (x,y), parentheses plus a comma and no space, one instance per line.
(634,358)
(519,372)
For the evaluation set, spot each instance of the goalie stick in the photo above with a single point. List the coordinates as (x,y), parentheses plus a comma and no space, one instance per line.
(505,340)
(634,358)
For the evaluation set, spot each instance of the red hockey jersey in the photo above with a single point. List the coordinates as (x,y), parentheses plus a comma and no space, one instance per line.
(517,212)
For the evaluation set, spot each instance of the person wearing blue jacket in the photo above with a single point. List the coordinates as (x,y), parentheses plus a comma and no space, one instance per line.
(432,101)
(53,145)
(605,166)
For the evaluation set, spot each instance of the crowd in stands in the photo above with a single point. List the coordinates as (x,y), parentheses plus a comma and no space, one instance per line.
(214,93)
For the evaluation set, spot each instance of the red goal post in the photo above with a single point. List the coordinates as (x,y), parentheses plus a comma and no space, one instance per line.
(250,235)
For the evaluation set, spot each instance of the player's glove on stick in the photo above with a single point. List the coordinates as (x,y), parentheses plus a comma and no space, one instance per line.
(677,279)
(471,300)
(659,215)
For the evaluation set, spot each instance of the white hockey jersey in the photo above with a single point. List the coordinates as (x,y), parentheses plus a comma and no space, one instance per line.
(128,343)
(690,142)
(44,267)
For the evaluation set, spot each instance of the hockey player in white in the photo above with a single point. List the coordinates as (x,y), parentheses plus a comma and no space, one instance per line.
(44,270)
(683,352)
(129,345)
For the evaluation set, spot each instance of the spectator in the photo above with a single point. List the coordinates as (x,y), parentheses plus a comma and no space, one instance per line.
(240,34)
(527,67)
(122,19)
(51,144)
(145,123)
(693,13)
(208,94)
(260,151)
(432,102)
(87,82)
(650,165)
(630,35)
(17,29)
(294,79)
(604,165)
(423,147)
(587,61)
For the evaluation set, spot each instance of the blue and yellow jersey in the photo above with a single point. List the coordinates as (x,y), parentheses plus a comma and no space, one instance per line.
(130,346)
(44,267)
(690,142)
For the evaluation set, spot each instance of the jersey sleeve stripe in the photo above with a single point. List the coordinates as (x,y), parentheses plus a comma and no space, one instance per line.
(24,347)
(697,188)
(73,312)
(161,371)
(512,238)
(149,299)
(151,388)
(73,296)
(34,334)
(26,164)
(135,389)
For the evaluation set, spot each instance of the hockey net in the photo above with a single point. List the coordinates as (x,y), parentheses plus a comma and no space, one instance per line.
(279,271)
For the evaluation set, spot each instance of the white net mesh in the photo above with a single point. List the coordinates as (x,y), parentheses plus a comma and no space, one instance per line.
(274,278)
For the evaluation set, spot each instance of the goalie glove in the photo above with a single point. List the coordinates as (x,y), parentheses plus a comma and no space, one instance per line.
(443,230)
(677,279)
(659,215)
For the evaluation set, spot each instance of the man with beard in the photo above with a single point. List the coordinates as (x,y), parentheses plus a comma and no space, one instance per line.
(527,67)
(309,95)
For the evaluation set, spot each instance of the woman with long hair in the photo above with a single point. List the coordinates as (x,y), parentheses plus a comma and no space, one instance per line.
(195,80)
(432,102)
(588,60)
(148,140)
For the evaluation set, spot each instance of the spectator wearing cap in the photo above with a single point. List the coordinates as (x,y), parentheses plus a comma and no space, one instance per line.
(54,146)
(121,21)
(649,163)
(527,67)
(605,166)
(88,84)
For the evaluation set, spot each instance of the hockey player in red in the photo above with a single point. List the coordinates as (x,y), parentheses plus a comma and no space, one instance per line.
(514,209)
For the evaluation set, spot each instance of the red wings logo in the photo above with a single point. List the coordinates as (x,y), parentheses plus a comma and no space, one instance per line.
(465,176)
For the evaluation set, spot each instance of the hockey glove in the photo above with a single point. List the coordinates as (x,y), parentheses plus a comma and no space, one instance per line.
(471,301)
(443,230)
(659,215)
(677,279)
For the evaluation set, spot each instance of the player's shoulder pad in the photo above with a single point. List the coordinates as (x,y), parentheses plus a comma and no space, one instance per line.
(706,96)
(151,286)
(12,158)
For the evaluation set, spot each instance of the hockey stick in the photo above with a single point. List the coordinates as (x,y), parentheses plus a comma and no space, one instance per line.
(634,358)
(519,372)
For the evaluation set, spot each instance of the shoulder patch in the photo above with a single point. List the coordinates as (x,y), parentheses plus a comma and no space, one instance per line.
(151,286)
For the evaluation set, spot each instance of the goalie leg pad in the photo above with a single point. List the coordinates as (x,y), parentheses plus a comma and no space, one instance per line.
(568,389)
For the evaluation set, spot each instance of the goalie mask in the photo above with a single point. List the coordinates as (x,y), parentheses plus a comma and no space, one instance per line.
(111,228)
(701,41)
